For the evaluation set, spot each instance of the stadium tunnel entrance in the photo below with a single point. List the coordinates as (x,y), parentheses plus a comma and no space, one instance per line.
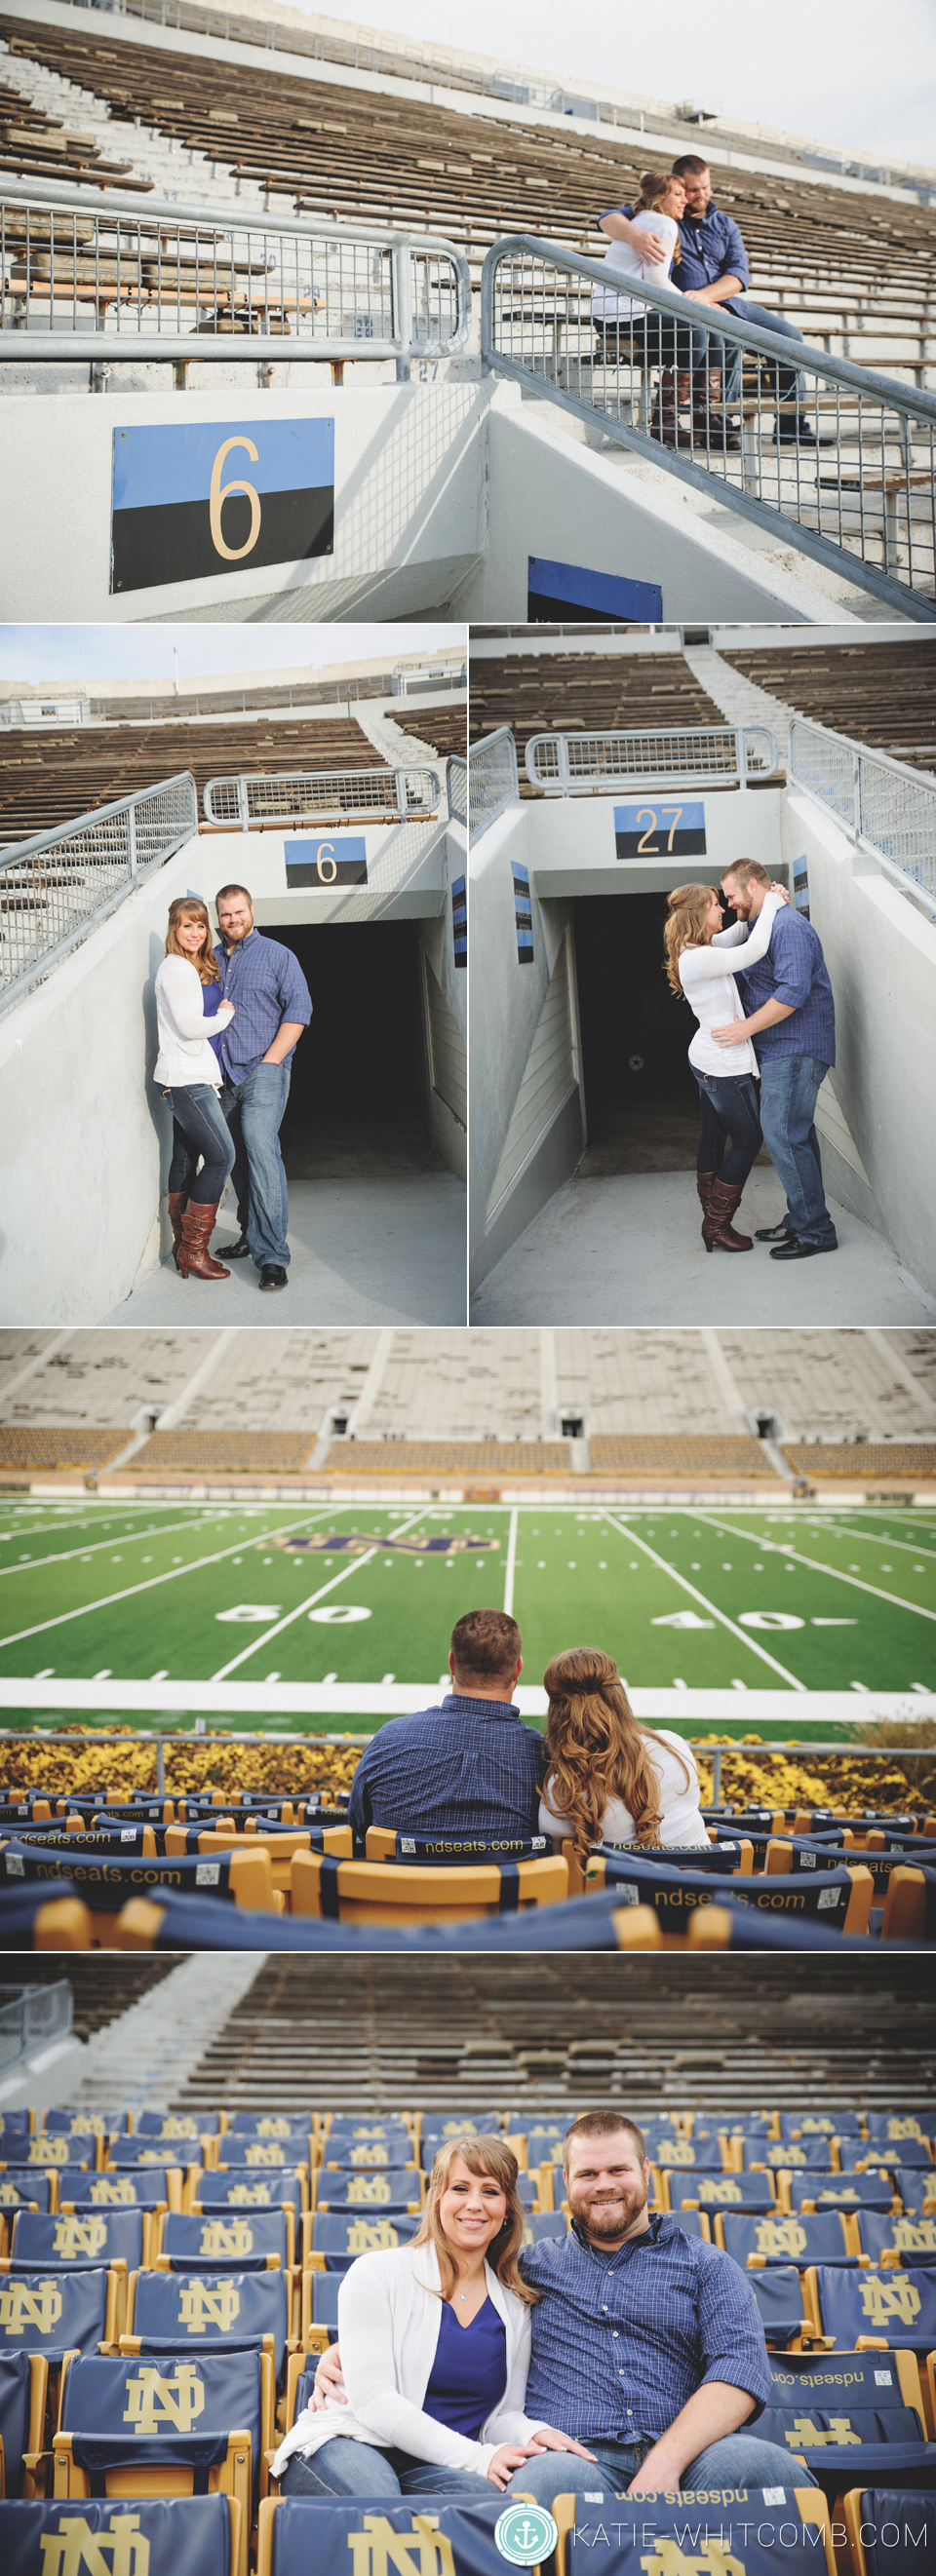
(361,1094)
(640,1093)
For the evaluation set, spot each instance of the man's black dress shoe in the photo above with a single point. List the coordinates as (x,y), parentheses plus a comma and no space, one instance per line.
(271,1276)
(797,1251)
(775,1234)
(239,1251)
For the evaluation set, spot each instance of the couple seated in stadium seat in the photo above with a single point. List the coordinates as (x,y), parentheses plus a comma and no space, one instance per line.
(463,2362)
(471,1766)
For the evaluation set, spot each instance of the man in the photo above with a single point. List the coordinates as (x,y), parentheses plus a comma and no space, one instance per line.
(272,1007)
(713,270)
(647,2344)
(791,1020)
(469,1765)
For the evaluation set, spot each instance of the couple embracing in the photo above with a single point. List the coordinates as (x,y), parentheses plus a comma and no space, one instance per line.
(229,1016)
(775,1038)
(625,2356)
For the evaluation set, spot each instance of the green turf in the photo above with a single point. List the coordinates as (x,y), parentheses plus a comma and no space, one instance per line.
(142,1591)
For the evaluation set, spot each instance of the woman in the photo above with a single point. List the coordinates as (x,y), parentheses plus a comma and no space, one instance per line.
(698,966)
(630,330)
(608,1779)
(435,2347)
(186,1066)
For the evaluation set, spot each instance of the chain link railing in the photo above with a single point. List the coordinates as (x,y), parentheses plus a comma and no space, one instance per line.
(31,2017)
(493,783)
(311,796)
(878,800)
(54,887)
(840,460)
(594,764)
(456,779)
(125,282)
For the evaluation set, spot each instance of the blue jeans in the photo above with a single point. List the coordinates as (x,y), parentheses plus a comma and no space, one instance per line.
(346,2468)
(729,1107)
(780,384)
(789,1092)
(740,2460)
(255,1109)
(199,1128)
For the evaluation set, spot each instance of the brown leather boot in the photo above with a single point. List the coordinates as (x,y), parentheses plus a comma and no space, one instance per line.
(704,1182)
(195,1260)
(177,1203)
(717,1227)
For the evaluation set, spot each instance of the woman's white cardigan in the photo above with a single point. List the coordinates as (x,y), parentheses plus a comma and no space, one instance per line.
(388,2328)
(184,1053)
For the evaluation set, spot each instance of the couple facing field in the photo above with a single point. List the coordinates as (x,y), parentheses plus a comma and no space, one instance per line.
(626,2355)
(759,1056)
(229,1016)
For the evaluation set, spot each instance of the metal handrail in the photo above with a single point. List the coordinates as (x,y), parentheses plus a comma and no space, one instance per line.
(58,885)
(493,783)
(303,796)
(881,802)
(156,262)
(456,780)
(889,512)
(597,764)
(34,2014)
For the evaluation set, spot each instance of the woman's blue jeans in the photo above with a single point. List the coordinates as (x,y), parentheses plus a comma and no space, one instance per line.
(199,1129)
(346,2468)
(729,1106)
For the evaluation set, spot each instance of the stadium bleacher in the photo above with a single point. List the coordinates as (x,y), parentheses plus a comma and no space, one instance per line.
(47,780)
(853,270)
(881,694)
(587,692)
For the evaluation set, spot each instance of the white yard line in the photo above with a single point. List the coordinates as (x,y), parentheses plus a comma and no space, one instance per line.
(625,1530)
(814,1565)
(175,1575)
(872,1538)
(510,1564)
(309,1604)
(130,1538)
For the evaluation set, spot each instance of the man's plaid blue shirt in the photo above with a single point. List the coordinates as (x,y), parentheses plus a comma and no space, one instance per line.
(793,971)
(267,986)
(467,1766)
(621,2341)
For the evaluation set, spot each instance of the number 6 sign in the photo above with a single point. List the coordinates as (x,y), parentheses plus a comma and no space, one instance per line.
(178,516)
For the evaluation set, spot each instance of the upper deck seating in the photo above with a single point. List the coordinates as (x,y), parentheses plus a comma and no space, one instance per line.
(47,780)
(854,271)
(36,146)
(881,694)
(586,692)
(446,728)
(398,1458)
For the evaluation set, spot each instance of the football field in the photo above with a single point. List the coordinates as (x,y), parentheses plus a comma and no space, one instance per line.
(332,1619)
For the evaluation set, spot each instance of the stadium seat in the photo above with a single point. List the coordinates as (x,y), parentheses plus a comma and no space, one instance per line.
(809,2191)
(902,2130)
(880,2413)
(451,1851)
(786,2238)
(134,2154)
(332,2240)
(172,2536)
(71,2309)
(889,2531)
(116,2239)
(23,2188)
(818,2124)
(177,2310)
(903,2241)
(215,2192)
(246,2238)
(383,1892)
(106,1885)
(23,2396)
(285,2125)
(704,2154)
(779,2295)
(463,2534)
(834,1897)
(78,2124)
(915,2187)
(748,2194)
(74,2155)
(792,2155)
(229,2398)
(400,2187)
(31,1919)
(172,2127)
(320,2310)
(858,2310)
(152,2187)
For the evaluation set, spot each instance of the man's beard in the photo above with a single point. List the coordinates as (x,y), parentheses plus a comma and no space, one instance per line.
(609,2217)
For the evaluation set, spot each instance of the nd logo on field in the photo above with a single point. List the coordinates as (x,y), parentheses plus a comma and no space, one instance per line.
(351,1543)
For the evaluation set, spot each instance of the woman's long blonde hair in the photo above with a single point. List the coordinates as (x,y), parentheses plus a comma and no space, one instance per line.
(482,2156)
(686,928)
(654,186)
(596,1749)
(189,907)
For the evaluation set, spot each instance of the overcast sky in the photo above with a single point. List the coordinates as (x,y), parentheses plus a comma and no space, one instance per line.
(864,75)
(91,654)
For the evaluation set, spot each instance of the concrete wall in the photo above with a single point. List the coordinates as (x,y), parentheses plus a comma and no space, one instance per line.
(449,1137)
(881,956)
(505,1004)
(409,501)
(570,850)
(549,495)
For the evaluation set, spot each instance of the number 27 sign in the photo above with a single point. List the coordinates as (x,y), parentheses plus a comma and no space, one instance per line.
(207,497)
(664,829)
